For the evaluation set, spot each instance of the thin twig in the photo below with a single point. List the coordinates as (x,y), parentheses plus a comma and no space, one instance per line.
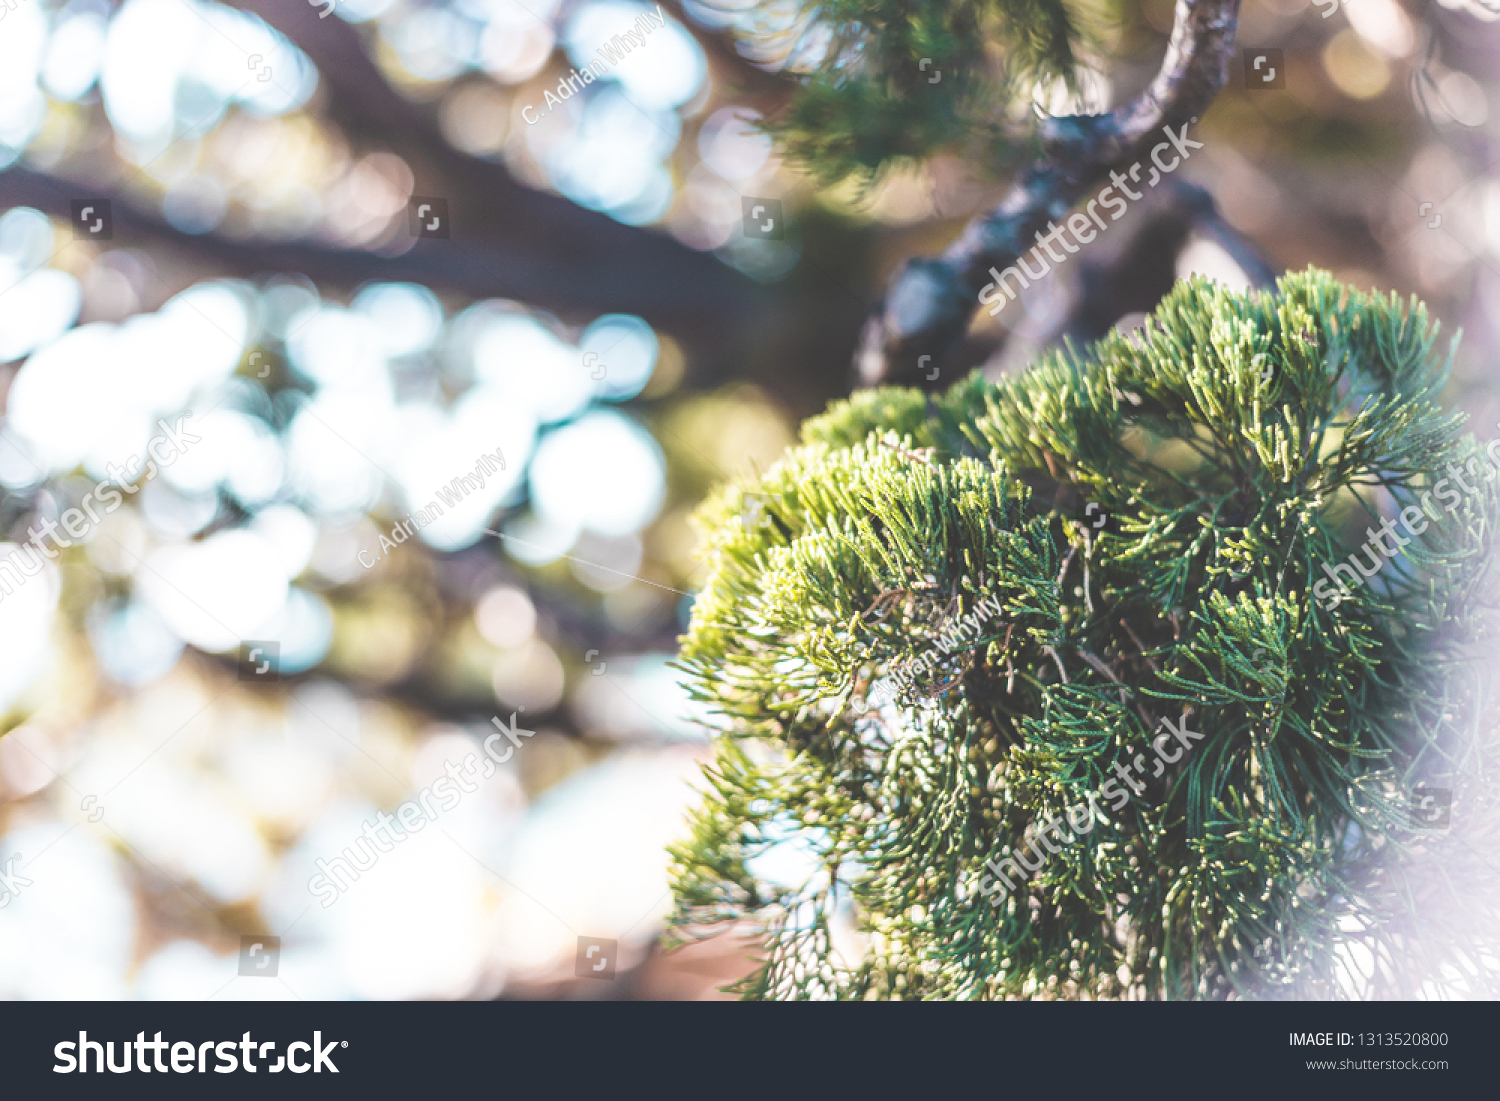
(1050,652)
(1141,646)
(1099,666)
(1088,550)
(940,689)
(1010,667)
(1067,561)
(921,454)
(886,602)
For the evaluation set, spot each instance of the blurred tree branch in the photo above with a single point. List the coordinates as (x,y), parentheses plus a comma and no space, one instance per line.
(371,112)
(512,241)
(929,301)
(691,294)
(368,109)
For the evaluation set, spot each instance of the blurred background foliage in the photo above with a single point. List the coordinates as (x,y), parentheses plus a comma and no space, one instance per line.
(599,315)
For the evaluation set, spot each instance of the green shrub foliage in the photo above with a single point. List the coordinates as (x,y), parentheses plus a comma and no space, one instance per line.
(883,736)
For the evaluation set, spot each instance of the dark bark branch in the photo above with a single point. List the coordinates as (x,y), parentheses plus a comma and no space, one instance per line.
(555,253)
(372,113)
(1134,273)
(683,290)
(930,300)
(1208,221)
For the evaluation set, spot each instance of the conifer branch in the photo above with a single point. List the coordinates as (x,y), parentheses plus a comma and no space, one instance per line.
(929,301)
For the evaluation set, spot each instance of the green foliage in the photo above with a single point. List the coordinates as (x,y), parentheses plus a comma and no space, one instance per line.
(868,101)
(1237,444)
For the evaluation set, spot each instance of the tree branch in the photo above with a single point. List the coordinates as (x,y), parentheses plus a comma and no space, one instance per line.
(1133,273)
(370,112)
(930,300)
(686,290)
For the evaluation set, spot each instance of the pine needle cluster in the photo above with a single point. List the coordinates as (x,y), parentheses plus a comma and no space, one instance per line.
(890,81)
(1151,517)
